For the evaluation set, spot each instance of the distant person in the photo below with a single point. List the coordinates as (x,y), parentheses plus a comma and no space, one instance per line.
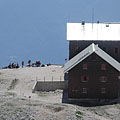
(29,62)
(38,63)
(17,65)
(13,65)
(10,66)
(22,64)
(33,64)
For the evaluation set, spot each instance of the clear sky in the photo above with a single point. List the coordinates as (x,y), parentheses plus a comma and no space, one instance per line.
(36,29)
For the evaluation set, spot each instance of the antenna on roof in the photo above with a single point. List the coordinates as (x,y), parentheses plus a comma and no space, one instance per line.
(83,23)
(92,17)
(98,22)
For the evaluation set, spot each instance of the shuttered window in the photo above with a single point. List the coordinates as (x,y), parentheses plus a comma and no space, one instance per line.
(84,78)
(85,67)
(84,90)
(103,79)
(103,66)
(103,90)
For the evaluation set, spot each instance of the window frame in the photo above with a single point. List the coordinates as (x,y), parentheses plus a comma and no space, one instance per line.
(74,90)
(84,78)
(103,90)
(103,66)
(85,66)
(84,90)
(103,79)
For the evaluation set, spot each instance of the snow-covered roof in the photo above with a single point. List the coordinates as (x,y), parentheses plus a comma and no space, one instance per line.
(87,52)
(95,31)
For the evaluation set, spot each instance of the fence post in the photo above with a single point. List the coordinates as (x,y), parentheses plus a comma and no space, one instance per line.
(60,78)
(36,78)
(44,78)
(52,78)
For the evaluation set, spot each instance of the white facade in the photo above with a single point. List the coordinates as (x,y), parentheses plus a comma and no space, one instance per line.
(95,31)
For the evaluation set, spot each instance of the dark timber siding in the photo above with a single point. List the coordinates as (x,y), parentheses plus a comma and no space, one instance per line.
(94,84)
(108,46)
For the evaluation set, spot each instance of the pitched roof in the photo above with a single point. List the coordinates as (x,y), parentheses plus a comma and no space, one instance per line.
(96,31)
(87,52)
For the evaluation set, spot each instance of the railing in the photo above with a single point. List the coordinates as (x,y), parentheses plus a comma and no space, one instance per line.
(50,78)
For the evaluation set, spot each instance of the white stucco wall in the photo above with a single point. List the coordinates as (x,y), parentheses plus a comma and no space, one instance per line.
(89,31)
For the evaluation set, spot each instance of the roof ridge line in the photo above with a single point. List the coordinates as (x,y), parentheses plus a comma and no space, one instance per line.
(93,47)
(87,52)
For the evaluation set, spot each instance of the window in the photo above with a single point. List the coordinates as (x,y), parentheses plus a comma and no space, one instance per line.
(103,90)
(103,66)
(85,67)
(84,78)
(103,79)
(116,50)
(84,90)
(74,90)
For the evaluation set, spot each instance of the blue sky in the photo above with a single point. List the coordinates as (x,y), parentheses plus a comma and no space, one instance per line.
(36,29)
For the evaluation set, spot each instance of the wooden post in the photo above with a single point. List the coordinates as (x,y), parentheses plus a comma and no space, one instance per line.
(60,78)
(44,78)
(36,78)
(52,78)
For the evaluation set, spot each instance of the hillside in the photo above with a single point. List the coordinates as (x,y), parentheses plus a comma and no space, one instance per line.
(17,102)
